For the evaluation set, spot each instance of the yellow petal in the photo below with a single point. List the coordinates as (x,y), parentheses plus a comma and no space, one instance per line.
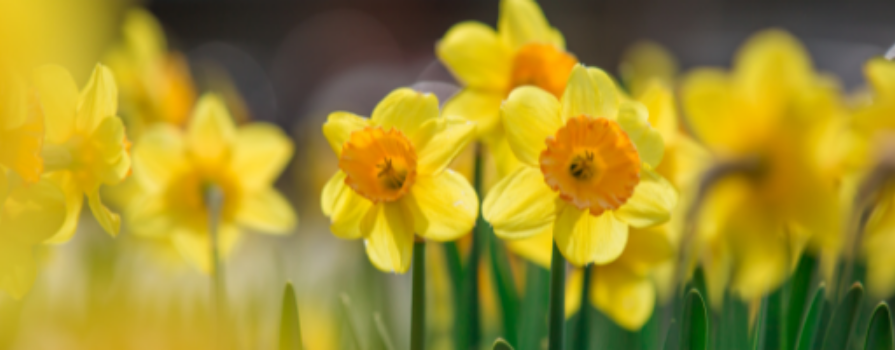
(195,246)
(521,205)
(144,35)
(880,73)
(627,298)
(530,115)
(405,110)
(770,67)
(647,248)
(710,108)
(537,249)
(388,233)
(211,132)
(98,100)
(481,107)
(439,141)
(608,97)
(476,56)
(346,208)
(653,200)
(266,211)
(444,206)
(150,216)
(339,126)
(646,62)
(633,118)
(74,202)
(32,214)
(660,104)
(522,22)
(581,96)
(109,221)
(18,269)
(5,185)
(112,145)
(260,153)
(159,156)
(574,286)
(59,100)
(583,238)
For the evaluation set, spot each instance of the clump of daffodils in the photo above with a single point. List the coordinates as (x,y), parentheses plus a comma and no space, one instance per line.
(393,185)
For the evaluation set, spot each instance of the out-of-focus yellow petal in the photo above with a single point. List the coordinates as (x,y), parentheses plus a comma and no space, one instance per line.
(660,104)
(260,153)
(522,22)
(647,248)
(481,107)
(346,208)
(211,132)
(439,141)
(74,202)
(444,206)
(110,141)
(150,216)
(388,233)
(583,238)
(476,56)
(633,118)
(608,96)
(405,110)
(537,249)
(770,67)
(652,202)
(5,185)
(644,63)
(530,115)
(266,211)
(339,126)
(627,298)
(98,100)
(144,35)
(31,214)
(195,246)
(521,205)
(574,286)
(710,108)
(18,270)
(581,96)
(109,221)
(504,158)
(159,155)
(59,100)
(880,72)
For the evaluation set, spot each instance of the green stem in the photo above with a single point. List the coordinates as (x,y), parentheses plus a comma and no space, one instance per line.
(506,287)
(418,311)
(455,269)
(557,315)
(467,320)
(534,309)
(214,200)
(582,338)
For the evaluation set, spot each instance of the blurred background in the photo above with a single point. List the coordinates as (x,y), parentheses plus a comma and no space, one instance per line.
(292,63)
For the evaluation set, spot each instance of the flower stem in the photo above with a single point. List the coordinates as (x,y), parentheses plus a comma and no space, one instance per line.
(418,308)
(467,319)
(557,315)
(214,200)
(582,331)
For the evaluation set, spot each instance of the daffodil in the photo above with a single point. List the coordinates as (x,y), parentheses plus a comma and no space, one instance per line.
(393,182)
(155,84)
(770,115)
(177,171)
(588,173)
(85,144)
(21,129)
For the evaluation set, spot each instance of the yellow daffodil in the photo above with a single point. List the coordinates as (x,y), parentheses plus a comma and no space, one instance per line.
(770,115)
(588,171)
(86,146)
(393,180)
(155,84)
(177,169)
(21,129)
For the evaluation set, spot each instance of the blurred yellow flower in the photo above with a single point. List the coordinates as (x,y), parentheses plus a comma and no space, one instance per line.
(21,128)
(772,112)
(176,170)
(588,171)
(155,84)
(525,50)
(393,179)
(85,146)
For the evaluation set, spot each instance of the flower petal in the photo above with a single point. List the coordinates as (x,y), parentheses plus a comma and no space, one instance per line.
(211,132)
(633,118)
(520,205)
(769,68)
(537,248)
(339,126)
(476,56)
(195,246)
(439,141)
(159,156)
(580,96)
(74,202)
(481,107)
(346,208)
(530,115)
(98,100)
(260,153)
(388,233)
(444,206)
(522,22)
(109,221)
(627,298)
(653,200)
(110,140)
(710,107)
(583,238)
(267,211)
(880,73)
(59,100)
(18,268)
(660,104)
(405,110)
(31,214)
(608,96)
(648,248)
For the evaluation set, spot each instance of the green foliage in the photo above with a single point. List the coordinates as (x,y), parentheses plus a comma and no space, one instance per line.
(879,333)
(290,329)
(812,321)
(501,344)
(844,319)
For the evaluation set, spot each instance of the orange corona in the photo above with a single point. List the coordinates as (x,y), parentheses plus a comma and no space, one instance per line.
(380,165)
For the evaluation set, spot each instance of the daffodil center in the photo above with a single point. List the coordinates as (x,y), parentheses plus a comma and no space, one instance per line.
(380,165)
(592,163)
(543,65)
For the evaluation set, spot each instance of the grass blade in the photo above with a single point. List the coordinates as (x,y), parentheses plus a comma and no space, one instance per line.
(533,311)
(879,333)
(811,321)
(290,327)
(501,344)
(694,323)
(349,321)
(795,302)
(384,337)
(844,319)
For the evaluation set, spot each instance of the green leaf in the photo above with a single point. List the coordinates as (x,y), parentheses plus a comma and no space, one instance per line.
(811,321)
(290,329)
(501,344)
(694,323)
(349,321)
(879,333)
(384,337)
(506,287)
(533,310)
(758,330)
(673,338)
(798,287)
(844,319)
